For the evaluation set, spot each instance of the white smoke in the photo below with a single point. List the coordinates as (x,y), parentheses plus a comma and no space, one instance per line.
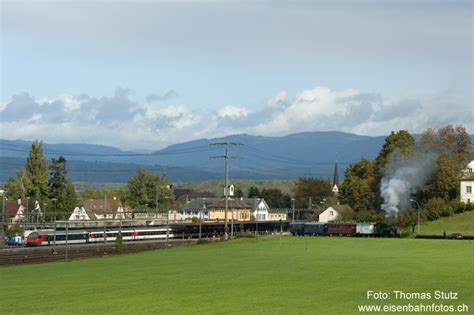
(402,177)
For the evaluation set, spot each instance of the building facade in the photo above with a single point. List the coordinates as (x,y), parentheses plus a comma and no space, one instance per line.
(467,184)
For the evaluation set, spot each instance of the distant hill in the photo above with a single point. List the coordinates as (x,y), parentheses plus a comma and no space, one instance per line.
(256,157)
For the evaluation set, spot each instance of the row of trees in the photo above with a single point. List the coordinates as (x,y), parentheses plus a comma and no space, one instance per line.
(451,147)
(43,186)
(47,187)
(307,193)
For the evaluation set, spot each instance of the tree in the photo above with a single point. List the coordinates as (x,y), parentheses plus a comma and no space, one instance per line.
(371,216)
(253,192)
(408,218)
(401,142)
(275,198)
(238,193)
(397,145)
(315,188)
(358,188)
(36,169)
(16,187)
(450,141)
(452,146)
(147,190)
(61,190)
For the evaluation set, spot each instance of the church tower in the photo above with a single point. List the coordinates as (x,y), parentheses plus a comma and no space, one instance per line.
(335,181)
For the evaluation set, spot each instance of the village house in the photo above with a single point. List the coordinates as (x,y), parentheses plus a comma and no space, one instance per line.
(259,207)
(15,211)
(92,210)
(336,212)
(237,209)
(213,209)
(467,184)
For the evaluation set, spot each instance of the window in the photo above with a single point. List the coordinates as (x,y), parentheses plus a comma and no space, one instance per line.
(468,189)
(331,213)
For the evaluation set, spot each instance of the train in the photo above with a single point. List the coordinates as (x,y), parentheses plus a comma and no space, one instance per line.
(343,229)
(175,230)
(44,238)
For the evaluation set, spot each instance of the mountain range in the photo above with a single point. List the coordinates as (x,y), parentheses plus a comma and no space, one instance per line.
(250,157)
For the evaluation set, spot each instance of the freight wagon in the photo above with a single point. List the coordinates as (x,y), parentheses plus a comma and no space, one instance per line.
(341,229)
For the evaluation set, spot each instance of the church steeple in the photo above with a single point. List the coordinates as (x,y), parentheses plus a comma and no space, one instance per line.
(335,181)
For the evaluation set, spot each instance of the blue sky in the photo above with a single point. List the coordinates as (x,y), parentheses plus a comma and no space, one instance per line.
(258,67)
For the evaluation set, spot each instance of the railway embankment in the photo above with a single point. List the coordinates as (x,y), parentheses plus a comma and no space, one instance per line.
(31,255)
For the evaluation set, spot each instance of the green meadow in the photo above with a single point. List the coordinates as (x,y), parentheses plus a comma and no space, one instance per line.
(271,275)
(457,223)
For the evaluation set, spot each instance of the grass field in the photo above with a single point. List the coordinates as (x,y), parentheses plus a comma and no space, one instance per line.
(460,223)
(291,275)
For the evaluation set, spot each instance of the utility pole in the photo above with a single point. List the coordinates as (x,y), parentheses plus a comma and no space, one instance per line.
(293,208)
(105,214)
(226,157)
(200,217)
(2,240)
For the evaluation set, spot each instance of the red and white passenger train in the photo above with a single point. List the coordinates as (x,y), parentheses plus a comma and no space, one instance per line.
(41,238)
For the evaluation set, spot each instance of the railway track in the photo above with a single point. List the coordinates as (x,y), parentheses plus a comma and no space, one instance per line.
(17,256)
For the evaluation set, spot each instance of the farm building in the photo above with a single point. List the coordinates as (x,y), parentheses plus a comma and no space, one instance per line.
(336,212)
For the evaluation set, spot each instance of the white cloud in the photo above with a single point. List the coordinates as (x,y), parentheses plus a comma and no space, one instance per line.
(119,120)
(231,111)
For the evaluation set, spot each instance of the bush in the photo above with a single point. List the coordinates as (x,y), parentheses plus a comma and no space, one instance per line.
(458,206)
(246,234)
(118,243)
(435,208)
(406,234)
(447,210)
(469,206)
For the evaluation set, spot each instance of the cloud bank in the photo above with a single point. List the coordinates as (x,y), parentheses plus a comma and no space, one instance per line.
(155,122)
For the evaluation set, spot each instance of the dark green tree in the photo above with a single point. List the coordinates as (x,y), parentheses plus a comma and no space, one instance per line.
(401,142)
(36,176)
(275,198)
(238,193)
(16,187)
(62,191)
(254,192)
(147,190)
(315,188)
(358,190)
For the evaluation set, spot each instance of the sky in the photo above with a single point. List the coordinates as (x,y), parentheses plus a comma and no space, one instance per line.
(147,74)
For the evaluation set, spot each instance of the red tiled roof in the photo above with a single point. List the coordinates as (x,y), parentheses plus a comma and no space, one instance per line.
(11,208)
(468,177)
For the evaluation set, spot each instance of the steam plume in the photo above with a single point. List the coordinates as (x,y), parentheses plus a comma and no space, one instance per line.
(402,177)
